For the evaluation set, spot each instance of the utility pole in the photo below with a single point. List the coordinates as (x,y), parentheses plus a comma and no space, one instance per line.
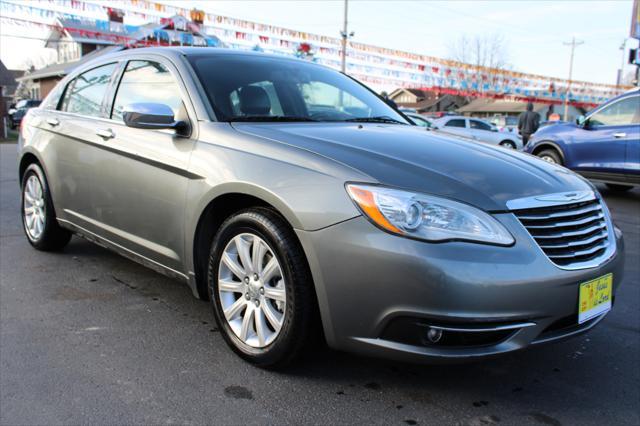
(345,36)
(573,45)
(624,60)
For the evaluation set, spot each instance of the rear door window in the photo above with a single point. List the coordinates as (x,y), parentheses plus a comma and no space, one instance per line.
(455,123)
(85,94)
(479,125)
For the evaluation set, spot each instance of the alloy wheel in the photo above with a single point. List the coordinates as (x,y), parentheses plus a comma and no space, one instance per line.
(34,208)
(507,145)
(549,159)
(252,290)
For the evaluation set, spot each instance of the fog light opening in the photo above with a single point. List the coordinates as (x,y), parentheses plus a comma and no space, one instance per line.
(434,335)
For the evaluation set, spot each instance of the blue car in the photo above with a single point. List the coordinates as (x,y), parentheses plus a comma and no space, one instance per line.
(603,146)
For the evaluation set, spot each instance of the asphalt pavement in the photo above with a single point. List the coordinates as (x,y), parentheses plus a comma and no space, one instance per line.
(87,336)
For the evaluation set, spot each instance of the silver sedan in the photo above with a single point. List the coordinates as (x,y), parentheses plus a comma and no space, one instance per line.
(303,206)
(478,130)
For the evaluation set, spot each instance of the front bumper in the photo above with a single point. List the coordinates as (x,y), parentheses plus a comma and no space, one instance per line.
(377,292)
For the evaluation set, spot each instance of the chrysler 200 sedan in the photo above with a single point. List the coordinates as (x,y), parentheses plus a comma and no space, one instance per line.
(303,206)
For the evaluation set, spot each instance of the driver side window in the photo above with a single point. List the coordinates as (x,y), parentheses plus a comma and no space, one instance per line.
(479,125)
(624,112)
(147,81)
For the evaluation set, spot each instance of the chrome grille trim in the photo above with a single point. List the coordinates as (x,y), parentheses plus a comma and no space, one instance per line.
(586,220)
(602,235)
(576,233)
(573,230)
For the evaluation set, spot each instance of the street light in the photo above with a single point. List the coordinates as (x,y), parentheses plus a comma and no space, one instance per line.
(624,60)
(345,34)
(573,45)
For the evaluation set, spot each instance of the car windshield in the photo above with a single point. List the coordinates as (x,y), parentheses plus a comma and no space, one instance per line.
(255,88)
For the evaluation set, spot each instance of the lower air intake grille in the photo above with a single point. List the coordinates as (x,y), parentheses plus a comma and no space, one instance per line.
(569,234)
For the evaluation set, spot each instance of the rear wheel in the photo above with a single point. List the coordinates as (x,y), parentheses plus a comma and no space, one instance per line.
(618,188)
(38,216)
(261,288)
(550,156)
(508,144)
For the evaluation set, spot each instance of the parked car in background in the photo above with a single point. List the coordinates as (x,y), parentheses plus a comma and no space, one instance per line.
(20,110)
(505,123)
(439,114)
(478,130)
(420,120)
(602,146)
(216,167)
(407,110)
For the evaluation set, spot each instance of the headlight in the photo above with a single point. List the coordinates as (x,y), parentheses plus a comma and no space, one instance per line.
(427,217)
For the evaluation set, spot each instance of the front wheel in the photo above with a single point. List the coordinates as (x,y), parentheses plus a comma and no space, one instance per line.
(508,144)
(550,156)
(38,216)
(261,288)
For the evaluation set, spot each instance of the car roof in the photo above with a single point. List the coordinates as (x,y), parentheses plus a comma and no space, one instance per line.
(451,117)
(175,51)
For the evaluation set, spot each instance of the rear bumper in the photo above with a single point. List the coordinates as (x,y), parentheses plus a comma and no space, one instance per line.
(379,293)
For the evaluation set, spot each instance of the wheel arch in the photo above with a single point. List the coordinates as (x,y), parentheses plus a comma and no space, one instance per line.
(509,141)
(213,214)
(541,146)
(26,160)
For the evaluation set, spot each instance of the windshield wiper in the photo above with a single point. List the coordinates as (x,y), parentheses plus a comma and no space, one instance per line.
(379,119)
(267,118)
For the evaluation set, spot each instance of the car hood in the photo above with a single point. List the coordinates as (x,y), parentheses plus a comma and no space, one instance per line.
(411,158)
(555,130)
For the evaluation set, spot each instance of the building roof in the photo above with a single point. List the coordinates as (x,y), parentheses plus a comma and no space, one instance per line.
(60,70)
(418,93)
(499,106)
(6,76)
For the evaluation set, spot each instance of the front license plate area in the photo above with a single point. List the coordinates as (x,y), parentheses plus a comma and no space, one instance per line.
(595,297)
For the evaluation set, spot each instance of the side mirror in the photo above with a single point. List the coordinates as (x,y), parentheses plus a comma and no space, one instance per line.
(581,120)
(147,115)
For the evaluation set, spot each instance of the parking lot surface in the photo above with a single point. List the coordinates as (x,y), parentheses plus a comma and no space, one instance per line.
(87,336)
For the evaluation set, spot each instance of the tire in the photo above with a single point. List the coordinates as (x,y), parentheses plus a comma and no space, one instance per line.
(550,156)
(297,309)
(508,144)
(48,236)
(618,188)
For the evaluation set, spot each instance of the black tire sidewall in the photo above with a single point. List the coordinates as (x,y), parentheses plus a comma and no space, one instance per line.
(551,153)
(263,224)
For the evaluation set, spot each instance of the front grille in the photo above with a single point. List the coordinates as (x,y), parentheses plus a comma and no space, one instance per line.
(569,234)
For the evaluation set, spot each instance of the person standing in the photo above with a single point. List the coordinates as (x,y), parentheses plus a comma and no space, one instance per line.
(550,112)
(528,123)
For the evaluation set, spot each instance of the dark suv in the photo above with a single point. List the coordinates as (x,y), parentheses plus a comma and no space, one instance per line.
(21,110)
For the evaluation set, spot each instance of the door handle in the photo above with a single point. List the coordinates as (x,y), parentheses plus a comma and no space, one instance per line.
(619,135)
(106,134)
(53,122)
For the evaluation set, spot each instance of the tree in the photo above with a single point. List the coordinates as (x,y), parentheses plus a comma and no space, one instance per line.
(490,51)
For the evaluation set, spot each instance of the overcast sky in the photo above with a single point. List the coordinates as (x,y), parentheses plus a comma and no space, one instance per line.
(535,30)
